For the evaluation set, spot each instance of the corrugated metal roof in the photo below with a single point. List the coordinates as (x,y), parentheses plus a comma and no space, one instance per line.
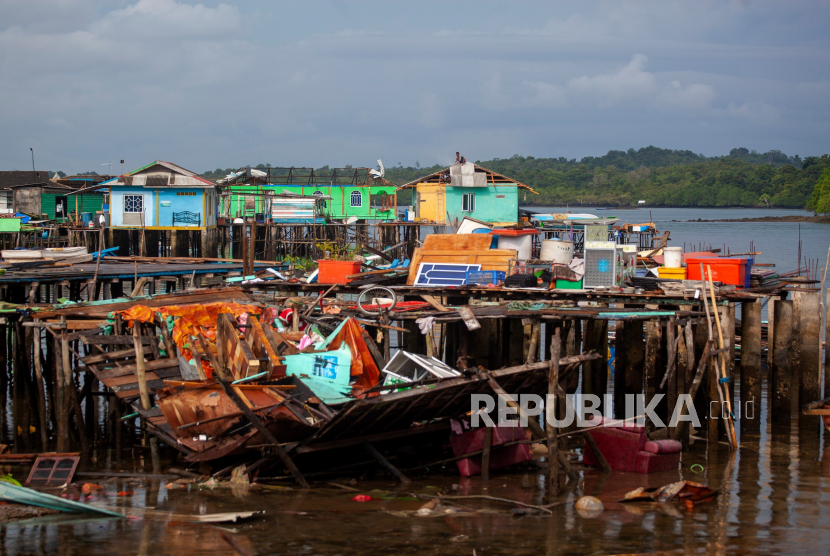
(160,174)
(494,178)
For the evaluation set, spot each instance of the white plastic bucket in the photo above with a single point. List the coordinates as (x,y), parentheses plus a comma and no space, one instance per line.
(673,257)
(522,244)
(557,250)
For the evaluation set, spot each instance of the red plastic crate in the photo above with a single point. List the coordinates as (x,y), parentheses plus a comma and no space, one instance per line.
(726,271)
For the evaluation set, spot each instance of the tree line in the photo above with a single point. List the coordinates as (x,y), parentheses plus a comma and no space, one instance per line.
(660,177)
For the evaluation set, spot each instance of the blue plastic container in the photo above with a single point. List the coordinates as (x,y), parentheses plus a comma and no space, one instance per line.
(485,277)
(86,218)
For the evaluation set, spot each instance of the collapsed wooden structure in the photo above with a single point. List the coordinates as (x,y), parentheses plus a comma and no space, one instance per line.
(72,384)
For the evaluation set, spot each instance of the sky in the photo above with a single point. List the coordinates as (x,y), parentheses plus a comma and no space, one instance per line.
(227,84)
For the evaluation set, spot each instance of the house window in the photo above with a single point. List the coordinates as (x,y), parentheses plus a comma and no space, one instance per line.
(468,202)
(356,199)
(133,203)
(6,202)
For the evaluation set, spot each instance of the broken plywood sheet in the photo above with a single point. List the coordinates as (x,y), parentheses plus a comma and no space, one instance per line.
(489,259)
(461,242)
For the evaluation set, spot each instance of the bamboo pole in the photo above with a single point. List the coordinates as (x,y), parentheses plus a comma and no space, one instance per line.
(141,372)
(721,368)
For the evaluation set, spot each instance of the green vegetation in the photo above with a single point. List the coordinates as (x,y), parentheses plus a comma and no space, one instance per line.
(660,177)
(820,199)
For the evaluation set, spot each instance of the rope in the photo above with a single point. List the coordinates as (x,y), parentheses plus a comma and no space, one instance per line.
(526,306)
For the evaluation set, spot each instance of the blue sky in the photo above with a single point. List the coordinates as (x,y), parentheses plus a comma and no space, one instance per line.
(213,84)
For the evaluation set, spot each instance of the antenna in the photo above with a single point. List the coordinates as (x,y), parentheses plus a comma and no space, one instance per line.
(110,164)
(34,174)
(122,166)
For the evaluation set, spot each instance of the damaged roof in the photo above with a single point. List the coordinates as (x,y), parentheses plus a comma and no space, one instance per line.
(493,178)
(160,174)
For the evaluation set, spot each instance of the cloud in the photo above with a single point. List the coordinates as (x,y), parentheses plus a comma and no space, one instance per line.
(754,111)
(630,85)
(210,83)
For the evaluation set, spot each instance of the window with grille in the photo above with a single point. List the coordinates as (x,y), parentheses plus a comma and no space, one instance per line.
(356,199)
(468,202)
(133,203)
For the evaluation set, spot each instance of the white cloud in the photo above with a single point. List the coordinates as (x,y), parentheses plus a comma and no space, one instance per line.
(630,83)
(754,111)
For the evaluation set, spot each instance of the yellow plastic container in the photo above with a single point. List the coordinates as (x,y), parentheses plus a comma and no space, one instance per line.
(674,273)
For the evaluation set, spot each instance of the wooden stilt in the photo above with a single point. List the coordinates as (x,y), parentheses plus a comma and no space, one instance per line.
(385,462)
(809,348)
(485,454)
(41,393)
(751,367)
(781,401)
(550,406)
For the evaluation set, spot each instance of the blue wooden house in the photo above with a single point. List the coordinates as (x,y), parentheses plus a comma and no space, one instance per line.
(162,196)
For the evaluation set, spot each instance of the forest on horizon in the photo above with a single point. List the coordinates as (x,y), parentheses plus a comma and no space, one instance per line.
(660,177)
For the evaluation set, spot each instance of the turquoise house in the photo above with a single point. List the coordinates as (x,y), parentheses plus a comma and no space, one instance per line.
(162,196)
(467,190)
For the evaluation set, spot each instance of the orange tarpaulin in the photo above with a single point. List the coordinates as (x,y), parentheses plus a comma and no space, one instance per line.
(363,365)
(191,320)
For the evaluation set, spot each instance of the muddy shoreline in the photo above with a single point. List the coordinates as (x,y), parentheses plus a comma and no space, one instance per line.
(792,218)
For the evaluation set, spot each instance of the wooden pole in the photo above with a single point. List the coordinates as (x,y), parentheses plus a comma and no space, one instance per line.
(266,434)
(485,453)
(721,368)
(140,369)
(826,293)
(385,462)
(751,366)
(41,393)
(810,348)
(781,402)
(63,392)
(550,410)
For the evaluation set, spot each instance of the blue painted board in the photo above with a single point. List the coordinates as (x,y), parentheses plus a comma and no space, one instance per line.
(444,274)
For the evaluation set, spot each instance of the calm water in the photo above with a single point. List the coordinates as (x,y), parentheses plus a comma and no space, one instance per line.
(778,241)
(775,499)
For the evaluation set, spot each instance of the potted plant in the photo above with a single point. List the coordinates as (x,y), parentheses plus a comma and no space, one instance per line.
(337,263)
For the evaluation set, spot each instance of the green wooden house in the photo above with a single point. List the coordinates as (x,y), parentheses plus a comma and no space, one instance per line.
(361,193)
(53,201)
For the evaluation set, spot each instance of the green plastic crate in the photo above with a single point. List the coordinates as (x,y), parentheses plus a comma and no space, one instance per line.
(568,285)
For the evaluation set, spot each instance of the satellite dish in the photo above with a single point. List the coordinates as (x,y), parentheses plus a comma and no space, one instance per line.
(378,173)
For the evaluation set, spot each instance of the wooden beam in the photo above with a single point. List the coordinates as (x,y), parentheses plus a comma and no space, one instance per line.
(266,434)
(385,462)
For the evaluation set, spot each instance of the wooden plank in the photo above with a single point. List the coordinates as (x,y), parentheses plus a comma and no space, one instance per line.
(469,318)
(262,347)
(457,242)
(131,381)
(111,356)
(266,434)
(81,324)
(114,340)
(131,369)
(434,302)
